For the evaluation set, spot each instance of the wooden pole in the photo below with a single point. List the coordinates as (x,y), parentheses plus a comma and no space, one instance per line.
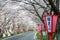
(40,35)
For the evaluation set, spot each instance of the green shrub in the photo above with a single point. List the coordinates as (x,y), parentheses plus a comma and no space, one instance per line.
(44,38)
(38,36)
(0,38)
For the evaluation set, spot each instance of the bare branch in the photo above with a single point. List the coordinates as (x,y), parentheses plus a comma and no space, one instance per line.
(46,3)
(53,6)
(40,5)
(30,11)
(37,13)
(36,3)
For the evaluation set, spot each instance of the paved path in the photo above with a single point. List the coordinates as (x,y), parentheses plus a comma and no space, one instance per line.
(24,36)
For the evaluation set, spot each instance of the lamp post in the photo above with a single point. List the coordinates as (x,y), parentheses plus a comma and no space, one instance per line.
(50,22)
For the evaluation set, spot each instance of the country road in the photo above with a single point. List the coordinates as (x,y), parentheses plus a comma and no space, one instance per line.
(24,36)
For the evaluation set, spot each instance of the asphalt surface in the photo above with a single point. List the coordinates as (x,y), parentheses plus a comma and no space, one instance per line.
(24,36)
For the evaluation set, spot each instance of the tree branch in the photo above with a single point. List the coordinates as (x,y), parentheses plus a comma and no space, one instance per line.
(53,6)
(37,13)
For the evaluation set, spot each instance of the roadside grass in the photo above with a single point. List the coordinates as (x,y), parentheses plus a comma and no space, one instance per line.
(1,38)
(38,36)
(9,36)
(43,38)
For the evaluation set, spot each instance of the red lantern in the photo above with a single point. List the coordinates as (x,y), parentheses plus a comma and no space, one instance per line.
(11,29)
(55,17)
(50,22)
(40,27)
(2,28)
